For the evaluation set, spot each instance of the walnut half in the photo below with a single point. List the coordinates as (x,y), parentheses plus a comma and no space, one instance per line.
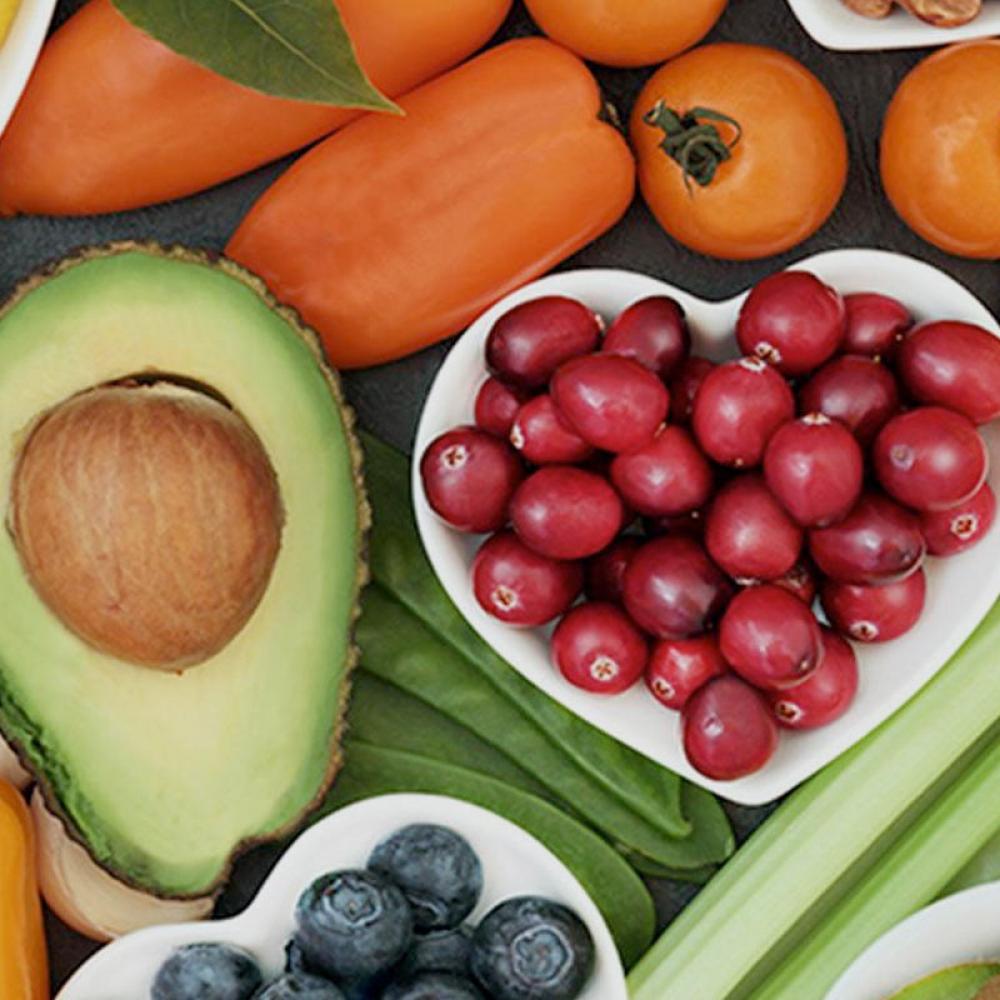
(870,8)
(944,13)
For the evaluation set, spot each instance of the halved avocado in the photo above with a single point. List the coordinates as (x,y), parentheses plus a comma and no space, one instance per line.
(164,776)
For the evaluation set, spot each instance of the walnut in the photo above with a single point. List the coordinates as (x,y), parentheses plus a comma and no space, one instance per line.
(870,8)
(944,13)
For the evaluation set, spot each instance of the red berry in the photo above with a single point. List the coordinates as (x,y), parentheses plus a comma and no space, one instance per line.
(543,437)
(826,694)
(814,466)
(875,614)
(859,392)
(878,542)
(679,667)
(653,332)
(566,513)
(748,533)
(948,532)
(875,324)
(691,525)
(596,647)
(672,588)
(770,637)
(667,476)
(684,387)
(800,581)
(605,572)
(739,406)
(497,405)
(519,586)
(728,729)
(528,343)
(930,458)
(793,321)
(953,364)
(469,477)
(610,401)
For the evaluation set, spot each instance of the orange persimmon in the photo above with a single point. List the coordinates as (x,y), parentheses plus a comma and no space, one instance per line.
(113,120)
(397,231)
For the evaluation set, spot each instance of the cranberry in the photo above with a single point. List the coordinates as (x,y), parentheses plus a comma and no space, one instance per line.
(955,365)
(605,573)
(826,694)
(748,533)
(815,467)
(793,321)
(684,387)
(875,324)
(543,437)
(667,476)
(948,532)
(497,405)
(728,729)
(653,332)
(739,406)
(930,458)
(672,588)
(875,614)
(596,647)
(691,524)
(528,343)
(859,392)
(519,586)
(469,477)
(566,513)
(610,401)
(800,580)
(679,667)
(770,637)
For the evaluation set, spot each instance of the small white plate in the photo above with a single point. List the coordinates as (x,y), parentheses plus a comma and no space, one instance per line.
(953,931)
(20,50)
(834,25)
(514,864)
(960,590)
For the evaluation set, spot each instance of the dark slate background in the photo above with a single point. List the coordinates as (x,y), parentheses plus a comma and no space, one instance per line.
(388,399)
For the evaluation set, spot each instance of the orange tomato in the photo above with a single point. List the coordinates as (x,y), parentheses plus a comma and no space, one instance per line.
(764,146)
(626,32)
(941,149)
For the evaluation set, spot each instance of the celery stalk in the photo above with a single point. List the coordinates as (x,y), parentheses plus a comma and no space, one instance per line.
(805,850)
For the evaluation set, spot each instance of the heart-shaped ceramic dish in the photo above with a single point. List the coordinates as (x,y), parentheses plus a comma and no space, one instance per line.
(514,864)
(960,590)
(20,50)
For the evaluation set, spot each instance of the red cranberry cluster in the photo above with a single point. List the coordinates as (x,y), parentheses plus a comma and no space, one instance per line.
(700,515)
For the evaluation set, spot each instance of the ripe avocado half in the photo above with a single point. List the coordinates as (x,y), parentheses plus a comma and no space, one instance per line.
(165,776)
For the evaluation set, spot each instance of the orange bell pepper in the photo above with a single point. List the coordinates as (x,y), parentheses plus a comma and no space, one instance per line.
(23,966)
(114,120)
(397,231)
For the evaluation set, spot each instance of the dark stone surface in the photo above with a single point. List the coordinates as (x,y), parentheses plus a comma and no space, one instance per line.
(388,399)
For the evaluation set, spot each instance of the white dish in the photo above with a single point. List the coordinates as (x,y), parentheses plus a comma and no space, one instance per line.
(834,25)
(514,864)
(953,931)
(19,52)
(960,590)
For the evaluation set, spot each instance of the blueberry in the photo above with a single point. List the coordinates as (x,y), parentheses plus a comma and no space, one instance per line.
(353,925)
(433,986)
(207,972)
(439,951)
(436,869)
(529,948)
(300,986)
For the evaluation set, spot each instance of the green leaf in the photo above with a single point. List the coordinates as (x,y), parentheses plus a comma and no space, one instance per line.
(298,49)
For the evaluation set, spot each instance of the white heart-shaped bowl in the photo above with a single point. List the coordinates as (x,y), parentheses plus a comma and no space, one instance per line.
(20,50)
(514,864)
(960,590)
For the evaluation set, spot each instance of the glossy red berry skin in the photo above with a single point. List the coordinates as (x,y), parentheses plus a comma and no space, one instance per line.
(520,587)
(596,647)
(679,667)
(543,437)
(673,590)
(497,405)
(469,477)
(826,694)
(930,458)
(815,467)
(875,614)
(684,387)
(948,532)
(566,513)
(605,572)
(800,580)
(770,637)
(653,332)
(614,403)
(666,477)
(792,321)
(739,406)
(953,364)
(875,324)
(729,731)
(878,542)
(859,392)
(529,342)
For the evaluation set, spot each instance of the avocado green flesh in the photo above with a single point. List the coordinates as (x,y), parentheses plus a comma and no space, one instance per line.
(961,982)
(162,776)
